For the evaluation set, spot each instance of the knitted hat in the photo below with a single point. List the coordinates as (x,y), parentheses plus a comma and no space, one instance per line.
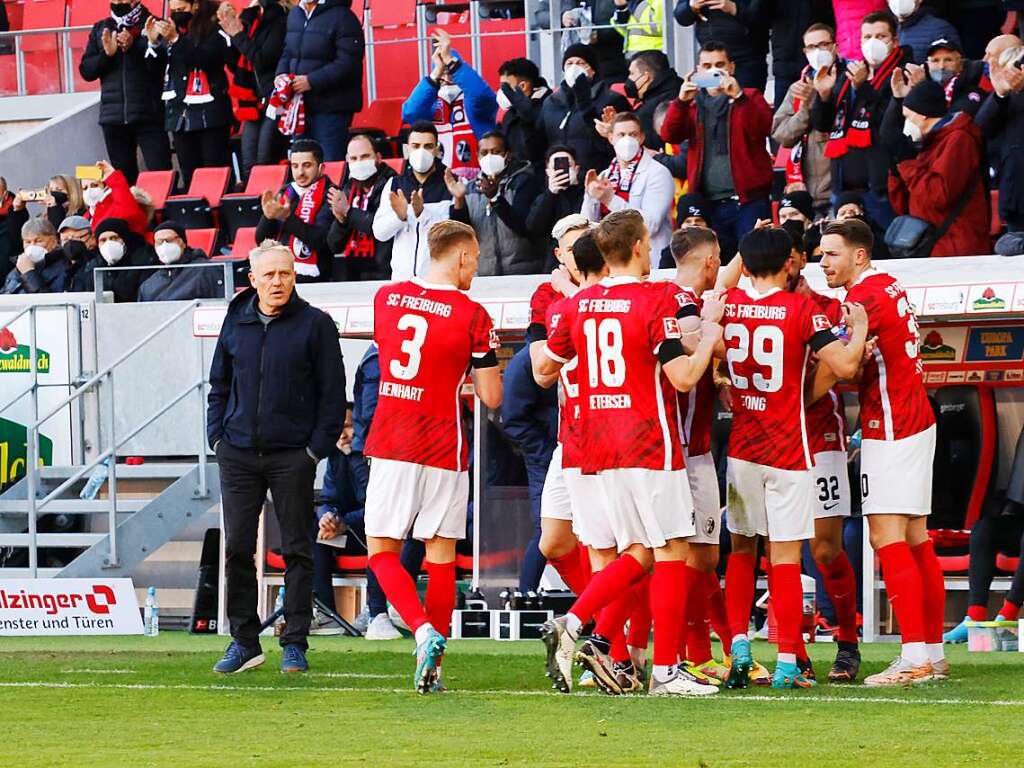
(117,226)
(582,51)
(174,226)
(692,205)
(849,198)
(801,201)
(927,99)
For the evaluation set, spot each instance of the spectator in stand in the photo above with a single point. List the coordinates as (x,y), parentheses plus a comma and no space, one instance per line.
(741,26)
(727,128)
(323,52)
(562,196)
(633,180)
(964,81)
(791,126)
(498,201)
(584,15)
(790,22)
(457,100)
(851,103)
(111,197)
(849,15)
(691,211)
(358,254)
(257,42)
(918,27)
(521,95)
(938,171)
(640,22)
(6,226)
(180,282)
(652,82)
(62,198)
(569,113)
(118,246)
(1001,119)
(797,206)
(299,214)
(424,193)
(49,264)
(197,109)
(850,205)
(131,112)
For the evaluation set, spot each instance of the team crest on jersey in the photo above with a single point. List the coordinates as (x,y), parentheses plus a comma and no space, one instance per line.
(821,323)
(671,328)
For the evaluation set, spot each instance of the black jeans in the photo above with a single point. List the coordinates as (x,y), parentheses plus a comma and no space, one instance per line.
(989,536)
(208,148)
(245,477)
(262,144)
(124,141)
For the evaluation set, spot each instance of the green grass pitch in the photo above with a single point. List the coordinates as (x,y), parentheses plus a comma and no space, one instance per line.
(154,702)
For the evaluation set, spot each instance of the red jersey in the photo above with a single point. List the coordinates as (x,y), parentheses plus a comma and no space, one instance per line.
(542,299)
(627,407)
(769,338)
(569,409)
(696,407)
(428,336)
(893,400)
(826,419)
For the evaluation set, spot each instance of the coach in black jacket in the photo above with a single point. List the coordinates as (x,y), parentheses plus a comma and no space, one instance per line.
(131,112)
(276,407)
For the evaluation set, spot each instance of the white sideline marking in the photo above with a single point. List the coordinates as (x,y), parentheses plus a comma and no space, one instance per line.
(97,671)
(357,675)
(801,699)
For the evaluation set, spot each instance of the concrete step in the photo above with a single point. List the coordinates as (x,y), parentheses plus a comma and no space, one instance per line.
(154,471)
(72,506)
(74,540)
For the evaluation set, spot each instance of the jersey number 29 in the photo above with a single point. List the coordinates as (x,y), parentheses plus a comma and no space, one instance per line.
(765,346)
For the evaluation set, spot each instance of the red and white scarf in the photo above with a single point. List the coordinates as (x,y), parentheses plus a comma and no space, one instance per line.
(360,244)
(197,89)
(622,179)
(286,107)
(854,130)
(308,205)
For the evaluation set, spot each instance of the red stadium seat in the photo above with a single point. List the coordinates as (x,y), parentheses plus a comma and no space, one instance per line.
(195,209)
(238,210)
(1006,563)
(158,184)
(382,116)
(335,170)
(204,240)
(390,12)
(396,163)
(43,68)
(244,242)
(84,13)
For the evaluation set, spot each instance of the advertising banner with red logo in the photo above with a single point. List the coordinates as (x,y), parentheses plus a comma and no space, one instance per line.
(68,607)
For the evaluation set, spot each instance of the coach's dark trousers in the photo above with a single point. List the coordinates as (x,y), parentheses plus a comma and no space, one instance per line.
(245,477)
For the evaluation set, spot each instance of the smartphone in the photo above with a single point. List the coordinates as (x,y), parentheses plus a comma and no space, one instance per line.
(33,195)
(708,78)
(561,164)
(88,173)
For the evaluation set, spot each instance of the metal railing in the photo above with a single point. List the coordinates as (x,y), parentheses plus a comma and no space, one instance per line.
(227,265)
(104,378)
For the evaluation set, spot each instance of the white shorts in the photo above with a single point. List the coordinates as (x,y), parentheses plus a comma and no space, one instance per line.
(404,498)
(832,485)
(554,499)
(767,501)
(896,475)
(707,511)
(589,509)
(648,506)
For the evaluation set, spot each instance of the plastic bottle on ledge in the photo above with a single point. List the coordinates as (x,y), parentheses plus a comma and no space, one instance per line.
(97,478)
(151,615)
(279,606)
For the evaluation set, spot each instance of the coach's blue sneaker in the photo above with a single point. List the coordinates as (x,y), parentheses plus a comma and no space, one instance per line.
(790,676)
(428,654)
(293,659)
(957,634)
(238,659)
(742,661)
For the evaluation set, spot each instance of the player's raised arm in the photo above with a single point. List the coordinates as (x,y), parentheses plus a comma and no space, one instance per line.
(685,371)
(845,359)
(488,386)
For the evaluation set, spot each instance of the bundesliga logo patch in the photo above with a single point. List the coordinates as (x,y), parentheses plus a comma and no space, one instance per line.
(821,323)
(671,328)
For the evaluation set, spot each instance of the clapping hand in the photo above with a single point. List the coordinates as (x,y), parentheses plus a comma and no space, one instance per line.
(857,71)
(273,208)
(456,186)
(108,41)
(898,83)
(598,187)
(339,203)
(228,19)
(399,204)
(416,199)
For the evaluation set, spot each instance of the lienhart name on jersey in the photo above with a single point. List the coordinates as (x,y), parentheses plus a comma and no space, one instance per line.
(608,306)
(430,306)
(401,391)
(755,311)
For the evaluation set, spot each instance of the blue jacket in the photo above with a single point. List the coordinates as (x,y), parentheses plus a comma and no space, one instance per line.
(481,103)
(328,48)
(921,29)
(364,396)
(279,386)
(529,415)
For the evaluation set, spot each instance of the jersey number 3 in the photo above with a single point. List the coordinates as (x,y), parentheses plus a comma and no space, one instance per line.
(411,347)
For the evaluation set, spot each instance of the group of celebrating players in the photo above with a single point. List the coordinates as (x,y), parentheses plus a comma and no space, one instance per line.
(630,508)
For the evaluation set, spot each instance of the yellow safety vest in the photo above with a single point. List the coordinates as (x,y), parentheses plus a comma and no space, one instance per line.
(643,30)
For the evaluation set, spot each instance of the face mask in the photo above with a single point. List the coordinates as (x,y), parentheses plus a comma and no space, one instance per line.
(819,59)
(75,250)
(361,170)
(875,51)
(93,196)
(941,76)
(503,101)
(632,92)
(181,19)
(912,131)
(120,9)
(492,165)
(902,8)
(168,253)
(112,251)
(35,253)
(626,148)
(60,198)
(572,73)
(421,160)
(449,93)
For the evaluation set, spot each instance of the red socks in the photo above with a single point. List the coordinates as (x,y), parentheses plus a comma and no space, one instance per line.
(640,621)
(606,586)
(787,601)
(716,610)
(400,589)
(977,612)
(933,588)
(696,645)
(668,609)
(1009,611)
(440,597)
(570,568)
(611,621)
(841,585)
(739,592)
(903,583)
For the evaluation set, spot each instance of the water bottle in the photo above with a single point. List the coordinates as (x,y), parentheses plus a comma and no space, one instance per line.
(279,606)
(151,620)
(97,478)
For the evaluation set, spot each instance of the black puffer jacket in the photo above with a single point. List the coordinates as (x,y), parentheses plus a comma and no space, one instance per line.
(745,36)
(568,118)
(184,57)
(262,49)
(521,124)
(328,48)
(360,220)
(666,86)
(129,80)
(184,284)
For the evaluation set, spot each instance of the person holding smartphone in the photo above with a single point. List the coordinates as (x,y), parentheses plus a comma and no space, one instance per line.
(562,196)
